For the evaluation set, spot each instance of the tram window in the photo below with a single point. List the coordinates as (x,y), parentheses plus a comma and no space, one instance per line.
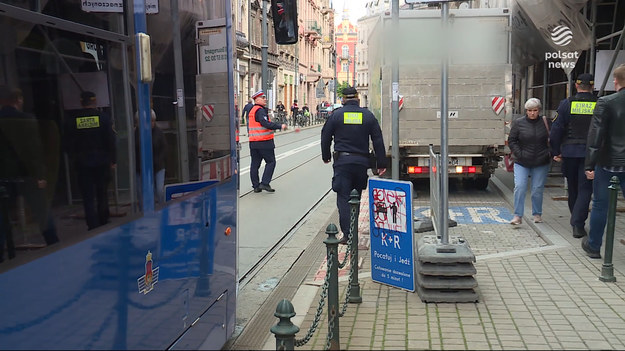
(40,197)
(284,13)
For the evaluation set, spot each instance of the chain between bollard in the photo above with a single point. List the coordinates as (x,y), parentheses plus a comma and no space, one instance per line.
(347,294)
(330,328)
(348,253)
(324,295)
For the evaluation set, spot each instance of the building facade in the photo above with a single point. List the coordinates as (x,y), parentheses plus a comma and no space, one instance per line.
(315,64)
(346,37)
(300,71)
(248,24)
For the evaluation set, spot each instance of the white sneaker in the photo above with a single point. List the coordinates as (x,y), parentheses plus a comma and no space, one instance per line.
(538,219)
(516,220)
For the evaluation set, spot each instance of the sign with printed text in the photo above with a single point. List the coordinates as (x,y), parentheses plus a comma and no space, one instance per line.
(151,6)
(391,231)
(214,53)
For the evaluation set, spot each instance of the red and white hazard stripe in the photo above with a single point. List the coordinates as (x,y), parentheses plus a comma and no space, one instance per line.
(498,104)
(217,169)
(208,111)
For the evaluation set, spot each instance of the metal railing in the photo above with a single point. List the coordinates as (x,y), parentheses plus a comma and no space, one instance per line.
(435,189)
(285,330)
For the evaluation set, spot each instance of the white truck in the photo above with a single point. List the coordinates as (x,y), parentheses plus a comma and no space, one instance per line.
(479,86)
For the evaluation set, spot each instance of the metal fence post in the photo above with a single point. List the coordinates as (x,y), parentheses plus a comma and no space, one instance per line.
(285,330)
(607,269)
(332,244)
(354,286)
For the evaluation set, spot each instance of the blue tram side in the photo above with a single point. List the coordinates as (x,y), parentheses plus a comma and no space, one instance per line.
(162,278)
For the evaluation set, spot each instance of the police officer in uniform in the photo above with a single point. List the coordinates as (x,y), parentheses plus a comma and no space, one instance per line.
(351,127)
(568,142)
(91,144)
(261,143)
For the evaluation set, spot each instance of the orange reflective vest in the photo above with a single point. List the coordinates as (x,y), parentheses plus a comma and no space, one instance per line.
(256,131)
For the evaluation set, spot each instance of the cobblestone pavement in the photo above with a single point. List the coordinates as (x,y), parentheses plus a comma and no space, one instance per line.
(537,290)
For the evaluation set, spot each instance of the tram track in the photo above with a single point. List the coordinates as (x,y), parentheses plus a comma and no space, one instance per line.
(250,273)
(314,136)
(283,173)
(283,151)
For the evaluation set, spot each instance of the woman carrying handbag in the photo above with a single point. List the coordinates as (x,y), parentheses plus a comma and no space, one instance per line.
(529,145)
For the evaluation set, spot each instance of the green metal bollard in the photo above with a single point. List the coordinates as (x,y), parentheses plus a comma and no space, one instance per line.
(607,269)
(285,330)
(354,286)
(332,244)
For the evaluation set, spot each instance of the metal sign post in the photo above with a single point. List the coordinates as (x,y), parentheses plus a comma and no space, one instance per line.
(444,203)
(443,223)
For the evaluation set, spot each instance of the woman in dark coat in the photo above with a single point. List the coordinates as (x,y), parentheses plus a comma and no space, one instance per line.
(528,141)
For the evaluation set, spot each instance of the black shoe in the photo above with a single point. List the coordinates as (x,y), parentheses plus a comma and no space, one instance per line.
(258,190)
(266,188)
(579,232)
(590,252)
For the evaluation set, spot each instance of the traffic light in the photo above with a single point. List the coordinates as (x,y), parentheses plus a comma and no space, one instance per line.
(285,27)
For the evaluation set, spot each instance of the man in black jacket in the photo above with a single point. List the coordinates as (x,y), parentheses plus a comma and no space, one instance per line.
(246,110)
(605,158)
(22,169)
(568,143)
(351,127)
(91,144)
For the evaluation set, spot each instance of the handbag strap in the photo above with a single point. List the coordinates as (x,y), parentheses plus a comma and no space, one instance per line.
(548,132)
(546,124)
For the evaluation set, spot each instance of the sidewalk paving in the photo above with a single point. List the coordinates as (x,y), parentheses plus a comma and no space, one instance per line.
(537,290)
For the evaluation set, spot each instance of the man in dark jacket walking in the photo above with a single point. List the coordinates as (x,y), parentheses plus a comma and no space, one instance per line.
(91,143)
(605,158)
(568,143)
(351,127)
(22,169)
(246,110)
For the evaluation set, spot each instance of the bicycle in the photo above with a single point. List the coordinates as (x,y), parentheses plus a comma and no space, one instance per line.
(280,117)
(303,119)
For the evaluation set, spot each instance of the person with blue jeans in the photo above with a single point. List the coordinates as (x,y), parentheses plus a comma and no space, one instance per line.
(605,158)
(528,142)
(159,160)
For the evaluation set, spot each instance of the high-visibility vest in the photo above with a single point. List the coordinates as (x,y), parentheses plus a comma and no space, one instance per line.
(256,131)
(237,134)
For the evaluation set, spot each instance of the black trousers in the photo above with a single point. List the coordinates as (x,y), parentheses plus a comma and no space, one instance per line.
(348,177)
(579,189)
(36,201)
(270,165)
(93,183)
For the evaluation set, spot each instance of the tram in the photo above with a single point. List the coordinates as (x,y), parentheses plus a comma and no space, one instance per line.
(159,275)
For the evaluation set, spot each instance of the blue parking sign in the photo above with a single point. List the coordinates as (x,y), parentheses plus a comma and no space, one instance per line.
(391,231)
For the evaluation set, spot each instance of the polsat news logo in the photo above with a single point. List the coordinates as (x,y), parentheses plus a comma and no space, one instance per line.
(561,35)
